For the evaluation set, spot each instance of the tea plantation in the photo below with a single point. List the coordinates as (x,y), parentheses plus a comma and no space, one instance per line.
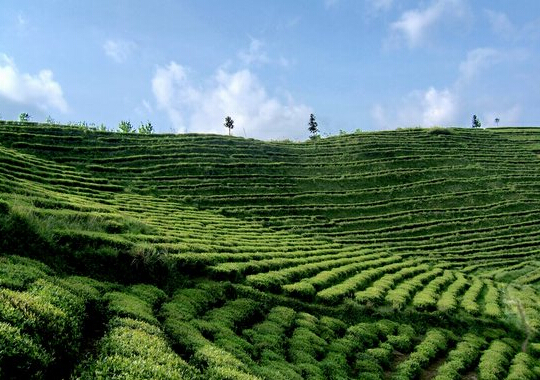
(408,254)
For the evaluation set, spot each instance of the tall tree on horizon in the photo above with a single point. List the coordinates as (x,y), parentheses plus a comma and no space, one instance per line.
(229,123)
(313,125)
(476,122)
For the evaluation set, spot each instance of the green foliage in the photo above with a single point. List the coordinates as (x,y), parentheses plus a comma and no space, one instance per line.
(495,360)
(4,207)
(427,298)
(523,367)
(476,122)
(125,127)
(229,124)
(17,273)
(491,300)
(146,129)
(148,293)
(130,306)
(471,295)
(434,342)
(21,356)
(448,301)
(343,256)
(136,350)
(313,125)
(24,117)
(461,358)
(440,131)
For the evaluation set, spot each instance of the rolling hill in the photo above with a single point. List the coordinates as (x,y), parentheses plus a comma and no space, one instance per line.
(386,255)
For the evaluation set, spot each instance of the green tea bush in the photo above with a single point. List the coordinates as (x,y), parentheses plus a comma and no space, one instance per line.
(448,301)
(461,358)
(375,293)
(187,304)
(471,295)
(495,361)
(218,361)
(269,337)
(41,320)
(440,131)
(20,356)
(367,367)
(401,294)
(403,341)
(335,366)
(427,298)
(184,335)
(18,275)
(85,287)
(364,334)
(381,354)
(434,342)
(235,314)
(524,367)
(301,289)
(72,315)
(4,207)
(278,370)
(135,349)
(130,306)
(492,307)
(148,293)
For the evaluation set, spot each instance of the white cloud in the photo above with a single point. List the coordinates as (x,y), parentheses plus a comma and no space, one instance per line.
(238,94)
(380,5)
(477,60)
(507,117)
(119,50)
(428,108)
(21,20)
(500,23)
(419,108)
(255,53)
(502,26)
(438,107)
(147,106)
(378,113)
(414,25)
(38,90)
(169,86)
(450,106)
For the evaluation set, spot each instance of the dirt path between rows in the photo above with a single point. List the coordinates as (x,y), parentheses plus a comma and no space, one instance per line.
(525,343)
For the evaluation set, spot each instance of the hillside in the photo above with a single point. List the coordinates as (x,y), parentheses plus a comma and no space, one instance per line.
(389,255)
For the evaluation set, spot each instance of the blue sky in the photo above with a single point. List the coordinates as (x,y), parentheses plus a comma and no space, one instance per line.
(355,64)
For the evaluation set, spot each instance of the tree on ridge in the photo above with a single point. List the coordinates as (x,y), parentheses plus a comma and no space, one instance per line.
(313,125)
(146,129)
(125,127)
(476,122)
(229,123)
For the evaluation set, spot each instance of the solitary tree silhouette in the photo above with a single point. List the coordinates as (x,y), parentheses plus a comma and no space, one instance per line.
(497,121)
(313,125)
(229,123)
(476,122)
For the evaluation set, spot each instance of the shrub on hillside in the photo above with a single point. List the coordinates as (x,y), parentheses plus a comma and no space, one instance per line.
(20,356)
(130,306)
(440,131)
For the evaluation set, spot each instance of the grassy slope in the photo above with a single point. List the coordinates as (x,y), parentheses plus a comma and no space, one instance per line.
(364,247)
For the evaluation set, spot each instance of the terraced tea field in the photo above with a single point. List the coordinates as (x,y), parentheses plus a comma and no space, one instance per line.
(410,254)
